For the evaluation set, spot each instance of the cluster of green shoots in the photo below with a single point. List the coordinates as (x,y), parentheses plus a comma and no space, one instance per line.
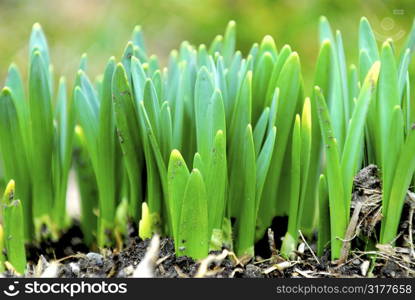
(209,149)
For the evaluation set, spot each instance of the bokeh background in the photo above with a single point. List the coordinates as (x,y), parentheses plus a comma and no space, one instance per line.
(101,28)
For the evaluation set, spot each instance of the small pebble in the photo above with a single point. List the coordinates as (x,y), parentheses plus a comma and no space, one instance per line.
(126,272)
(74,268)
(96,257)
(356,262)
(252,271)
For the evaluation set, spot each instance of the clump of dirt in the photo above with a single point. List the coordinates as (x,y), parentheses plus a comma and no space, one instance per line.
(367,196)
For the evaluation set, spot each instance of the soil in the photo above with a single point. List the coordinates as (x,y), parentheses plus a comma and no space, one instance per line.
(70,258)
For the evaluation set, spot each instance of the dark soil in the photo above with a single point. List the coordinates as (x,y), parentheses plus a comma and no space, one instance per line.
(122,264)
(75,259)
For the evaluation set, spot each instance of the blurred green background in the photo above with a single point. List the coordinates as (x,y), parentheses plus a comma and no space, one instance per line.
(101,28)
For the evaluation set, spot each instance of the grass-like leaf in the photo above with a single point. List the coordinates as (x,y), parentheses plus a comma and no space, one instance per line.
(193,239)
(14,229)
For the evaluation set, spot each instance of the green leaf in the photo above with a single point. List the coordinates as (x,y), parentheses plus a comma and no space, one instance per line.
(338,213)
(157,194)
(404,171)
(305,160)
(396,141)
(13,153)
(334,92)
(282,58)
(216,45)
(152,106)
(368,48)
(64,115)
(14,229)
(246,220)
(388,96)
(106,152)
(138,38)
(15,83)
(324,219)
(38,43)
(193,226)
(342,73)
(262,74)
(267,47)
(138,78)
(126,118)
(146,224)
(88,189)
(204,89)
(197,162)
(177,178)
(166,134)
(367,41)
(126,59)
(89,123)
(260,130)
(321,79)
(83,64)
(289,243)
(352,149)
(216,181)
(263,163)
(229,42)
(241,118)
(289,85)
(403,72)
(41,145)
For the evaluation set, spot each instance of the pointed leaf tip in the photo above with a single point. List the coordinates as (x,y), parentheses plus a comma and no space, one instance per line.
(374,71)
(232,23)
(6,91)
(9,191)
(37,26)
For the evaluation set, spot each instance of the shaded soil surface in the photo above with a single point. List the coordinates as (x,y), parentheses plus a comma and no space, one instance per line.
(70,258)
(112,264)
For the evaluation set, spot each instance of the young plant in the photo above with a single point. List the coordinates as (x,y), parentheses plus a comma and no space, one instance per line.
(394,200)
(286,82)
(12,147)
(36,143)
(13,229)
(341,168)
(301,145)
(87,185)
(96,117)
(390,126)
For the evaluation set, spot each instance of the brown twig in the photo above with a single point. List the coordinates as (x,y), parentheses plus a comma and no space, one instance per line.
(350,233)
(308,246)
(271,243)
